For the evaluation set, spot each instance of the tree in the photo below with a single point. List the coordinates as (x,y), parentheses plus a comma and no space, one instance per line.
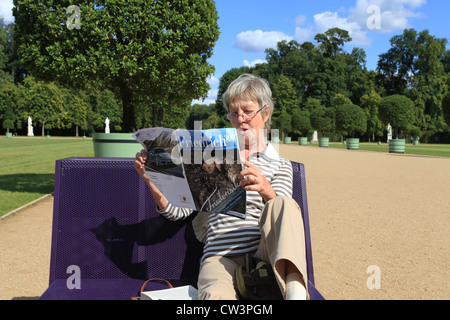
(48,127)
(312,104)
(104,105)
(429,84)
(446,108)
(76,105)
(370,103)
(285,96)
(339,100)
(8,124)
(330,77)
(8,108)
(198,112)
(397,110)
(12,68)
(44,103)
(332,41)
(283,123)
(358,80)
(143,51)
(301,123)
(322,120)
(289,59)
(350,118)
(415,66)
(5,76)
(396,66)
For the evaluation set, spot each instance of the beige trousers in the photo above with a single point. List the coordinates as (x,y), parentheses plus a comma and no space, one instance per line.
(282,238)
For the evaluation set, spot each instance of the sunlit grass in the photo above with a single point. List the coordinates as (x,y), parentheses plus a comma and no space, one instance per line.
(28,166)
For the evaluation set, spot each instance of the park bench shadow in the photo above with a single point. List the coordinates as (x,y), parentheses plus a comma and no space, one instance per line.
(119,241)
(27,182)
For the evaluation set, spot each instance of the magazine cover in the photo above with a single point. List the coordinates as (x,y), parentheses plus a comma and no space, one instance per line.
(196,169)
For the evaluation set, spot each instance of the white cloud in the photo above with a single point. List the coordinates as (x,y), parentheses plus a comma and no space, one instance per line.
(212,81)
(304,34)
(5,11)
(210,99)
(300,20)
(254,62)
(394,15)
(258,40)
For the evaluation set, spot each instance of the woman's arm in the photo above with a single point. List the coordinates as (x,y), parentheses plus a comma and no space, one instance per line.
(139,164)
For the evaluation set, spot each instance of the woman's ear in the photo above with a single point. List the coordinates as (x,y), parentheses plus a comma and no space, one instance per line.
(267,112)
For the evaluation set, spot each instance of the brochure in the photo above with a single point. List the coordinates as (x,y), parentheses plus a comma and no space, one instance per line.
(178,293)
(196,169)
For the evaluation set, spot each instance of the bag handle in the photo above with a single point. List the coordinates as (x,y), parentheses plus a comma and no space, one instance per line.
(149,280)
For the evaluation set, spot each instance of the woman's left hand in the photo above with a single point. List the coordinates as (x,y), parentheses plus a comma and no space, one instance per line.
(253,179)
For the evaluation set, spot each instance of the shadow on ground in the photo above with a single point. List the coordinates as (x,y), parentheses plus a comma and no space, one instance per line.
(23,182)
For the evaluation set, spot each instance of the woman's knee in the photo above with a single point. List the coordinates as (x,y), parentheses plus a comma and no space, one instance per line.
(215,280)
(282,205)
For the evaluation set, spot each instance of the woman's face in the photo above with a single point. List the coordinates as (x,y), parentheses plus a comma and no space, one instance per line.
(241,106)
(251,130)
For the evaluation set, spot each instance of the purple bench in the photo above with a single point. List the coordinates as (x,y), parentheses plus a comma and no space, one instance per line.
(107,237)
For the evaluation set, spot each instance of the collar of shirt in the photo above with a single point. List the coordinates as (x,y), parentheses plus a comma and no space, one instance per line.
(269,153)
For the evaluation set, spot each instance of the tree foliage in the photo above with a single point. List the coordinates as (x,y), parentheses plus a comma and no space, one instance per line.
(285,96)
(414,66)
(5,76)
(152,52)
(322,120)
(48,103)
(397,110)
(350,119)
(370,103)
(446,108)
(301,122)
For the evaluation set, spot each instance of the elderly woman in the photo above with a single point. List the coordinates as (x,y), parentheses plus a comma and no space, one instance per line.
(273,229)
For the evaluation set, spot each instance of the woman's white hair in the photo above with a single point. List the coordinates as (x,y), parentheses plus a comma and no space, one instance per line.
(253,88)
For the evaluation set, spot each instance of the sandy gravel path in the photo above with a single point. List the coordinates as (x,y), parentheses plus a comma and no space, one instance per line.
(373,208)
(366,209)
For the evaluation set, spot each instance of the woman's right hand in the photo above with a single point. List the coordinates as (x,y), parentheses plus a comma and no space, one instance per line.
(139,164)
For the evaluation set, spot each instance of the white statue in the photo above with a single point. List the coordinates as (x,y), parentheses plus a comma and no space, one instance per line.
(107,125)
(30,127)
(389,135)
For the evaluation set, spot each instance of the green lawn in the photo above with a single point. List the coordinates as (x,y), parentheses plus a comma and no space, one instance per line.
(441,150)
(28,166)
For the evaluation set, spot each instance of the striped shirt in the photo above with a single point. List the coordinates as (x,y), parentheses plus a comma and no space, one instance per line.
(229,235)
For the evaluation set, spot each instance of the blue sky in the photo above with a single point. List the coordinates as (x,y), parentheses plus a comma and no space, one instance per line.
(248,27)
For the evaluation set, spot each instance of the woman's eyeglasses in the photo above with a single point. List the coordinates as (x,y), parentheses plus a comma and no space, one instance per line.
(247,116)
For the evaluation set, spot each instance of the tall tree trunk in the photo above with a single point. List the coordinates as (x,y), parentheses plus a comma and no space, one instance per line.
(129,122)
(43,126)
(154,115)
(161,116)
